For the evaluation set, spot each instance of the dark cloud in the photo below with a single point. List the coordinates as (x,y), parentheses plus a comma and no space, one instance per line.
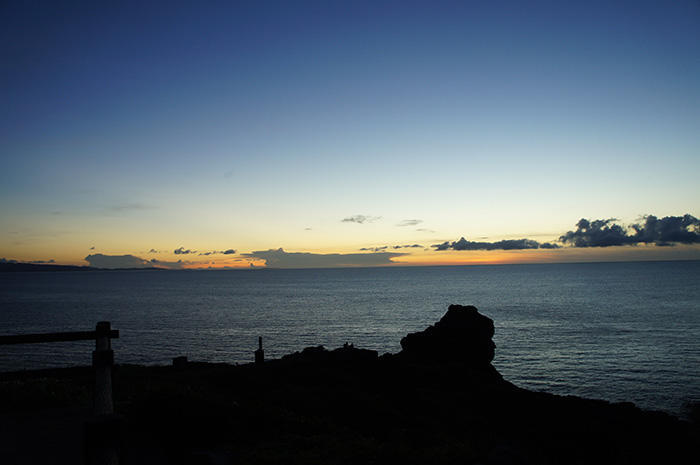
(307,229)
(4,260)
(510,244)
(153,251)
(666,231)
(92,248)
(409,223)
(183,251)
(281,259)
(384,247)
(116,261)
(43,262)
(178,265)
(222,252)
(361,219)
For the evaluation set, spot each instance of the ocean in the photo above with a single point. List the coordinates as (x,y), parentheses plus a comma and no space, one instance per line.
(614,331)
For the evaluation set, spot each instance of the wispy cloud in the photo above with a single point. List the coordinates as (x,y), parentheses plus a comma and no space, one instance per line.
(361,219)
(385,247)
(130,206)
(409,223)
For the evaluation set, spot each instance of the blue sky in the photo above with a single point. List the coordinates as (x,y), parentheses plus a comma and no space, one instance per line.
(262,125)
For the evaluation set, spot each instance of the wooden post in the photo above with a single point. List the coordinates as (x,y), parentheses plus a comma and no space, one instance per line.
(102,361)
(259,354)
(103,434)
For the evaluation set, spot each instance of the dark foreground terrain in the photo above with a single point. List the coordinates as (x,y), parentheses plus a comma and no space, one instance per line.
(437,401)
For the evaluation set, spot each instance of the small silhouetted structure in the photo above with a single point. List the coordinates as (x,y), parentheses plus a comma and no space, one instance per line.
(180,362)
(260,353)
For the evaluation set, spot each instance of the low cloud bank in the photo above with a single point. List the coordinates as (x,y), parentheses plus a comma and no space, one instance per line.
(666,231)
(280,259)
(129,261)
(511,244)
(99,260)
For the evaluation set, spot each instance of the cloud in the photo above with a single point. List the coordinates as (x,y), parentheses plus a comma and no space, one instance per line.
(130,261)
(425,230)
(116,261)
(409,222)
(374,249)
(666,231)
(510,244)
(130,206)
(4,260)
(280,259)
(214,252)
(178,265)
(92,248)
(361,219)
(43,262)
(153,251)
(183,251)
(384,247)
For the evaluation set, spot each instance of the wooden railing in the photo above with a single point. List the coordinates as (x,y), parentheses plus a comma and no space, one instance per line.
(102,445)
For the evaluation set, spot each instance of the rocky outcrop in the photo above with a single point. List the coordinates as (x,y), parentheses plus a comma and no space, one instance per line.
(347,353)
(461,335)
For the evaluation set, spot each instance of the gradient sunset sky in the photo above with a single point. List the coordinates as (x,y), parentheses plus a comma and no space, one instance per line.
(348,133)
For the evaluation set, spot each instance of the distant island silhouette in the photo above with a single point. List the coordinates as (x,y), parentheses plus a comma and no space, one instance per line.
(438,400)
(29,267)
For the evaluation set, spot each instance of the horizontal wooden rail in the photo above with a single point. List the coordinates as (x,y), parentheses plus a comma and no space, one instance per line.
(58,337)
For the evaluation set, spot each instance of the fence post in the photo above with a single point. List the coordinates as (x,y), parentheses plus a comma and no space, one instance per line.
(102,361)
(259,354)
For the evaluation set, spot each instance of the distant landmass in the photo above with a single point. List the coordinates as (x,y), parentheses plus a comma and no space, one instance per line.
(32,267)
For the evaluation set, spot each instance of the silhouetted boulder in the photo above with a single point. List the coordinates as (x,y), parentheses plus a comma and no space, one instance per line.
(461,335)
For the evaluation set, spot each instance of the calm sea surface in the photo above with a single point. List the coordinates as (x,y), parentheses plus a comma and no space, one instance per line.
(616,331)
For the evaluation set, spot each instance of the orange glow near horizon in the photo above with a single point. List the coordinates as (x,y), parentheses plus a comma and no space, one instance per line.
(455,258)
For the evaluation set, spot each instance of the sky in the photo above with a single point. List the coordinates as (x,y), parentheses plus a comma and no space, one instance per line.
(295,134)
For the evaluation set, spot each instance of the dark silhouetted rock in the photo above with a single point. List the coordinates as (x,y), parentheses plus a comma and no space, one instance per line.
(461,335)
(347,353)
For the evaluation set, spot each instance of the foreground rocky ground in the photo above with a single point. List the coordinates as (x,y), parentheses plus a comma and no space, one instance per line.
(437,401)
